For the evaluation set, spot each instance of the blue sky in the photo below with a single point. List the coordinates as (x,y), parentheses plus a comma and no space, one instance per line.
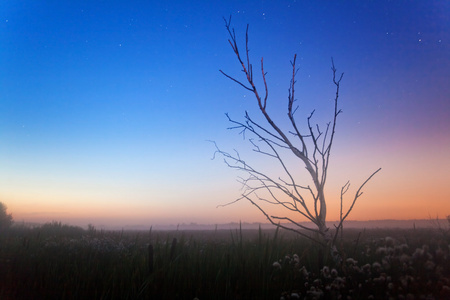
(106,106)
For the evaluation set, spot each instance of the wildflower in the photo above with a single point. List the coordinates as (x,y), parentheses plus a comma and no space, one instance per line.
(287,259)
(404,258)
(381,251)
(422,253)
(334,273)
(410,296)
(406,280)
(351,261)
(429,265)
(418,253)
(380,279)
(304,272)
(295,296)
(366,268)
(276,265)
(389,241)
(317,282)
(445,291)
(401,249)
(338,283)
(376,266)
(326,272)
(335,253)
(386,263)
(440,254)
(404,247)
(315,293)
(296,259)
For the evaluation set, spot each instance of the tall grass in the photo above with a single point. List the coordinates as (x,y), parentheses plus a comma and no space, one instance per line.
(57,261)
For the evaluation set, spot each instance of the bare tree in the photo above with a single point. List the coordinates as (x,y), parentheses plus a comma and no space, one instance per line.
(311,146)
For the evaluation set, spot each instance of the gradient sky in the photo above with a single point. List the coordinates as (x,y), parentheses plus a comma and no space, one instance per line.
(106,107)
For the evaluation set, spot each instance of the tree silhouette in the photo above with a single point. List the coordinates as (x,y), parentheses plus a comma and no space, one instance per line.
(310,146)
(6,219)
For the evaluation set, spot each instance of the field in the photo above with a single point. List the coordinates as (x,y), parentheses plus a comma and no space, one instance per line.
(57,261)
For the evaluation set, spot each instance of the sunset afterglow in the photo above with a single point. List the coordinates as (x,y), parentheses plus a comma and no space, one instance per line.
(107,110)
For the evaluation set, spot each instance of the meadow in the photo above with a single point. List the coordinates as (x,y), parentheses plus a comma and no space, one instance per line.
(57,261)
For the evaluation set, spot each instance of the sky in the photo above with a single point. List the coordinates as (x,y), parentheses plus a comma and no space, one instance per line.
(107,108)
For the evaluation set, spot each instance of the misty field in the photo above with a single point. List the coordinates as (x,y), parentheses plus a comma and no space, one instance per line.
(57,261)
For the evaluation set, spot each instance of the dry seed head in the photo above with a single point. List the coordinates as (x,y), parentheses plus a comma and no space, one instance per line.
(276,265)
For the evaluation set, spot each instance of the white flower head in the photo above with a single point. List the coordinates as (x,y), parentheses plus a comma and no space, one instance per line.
(276,265)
